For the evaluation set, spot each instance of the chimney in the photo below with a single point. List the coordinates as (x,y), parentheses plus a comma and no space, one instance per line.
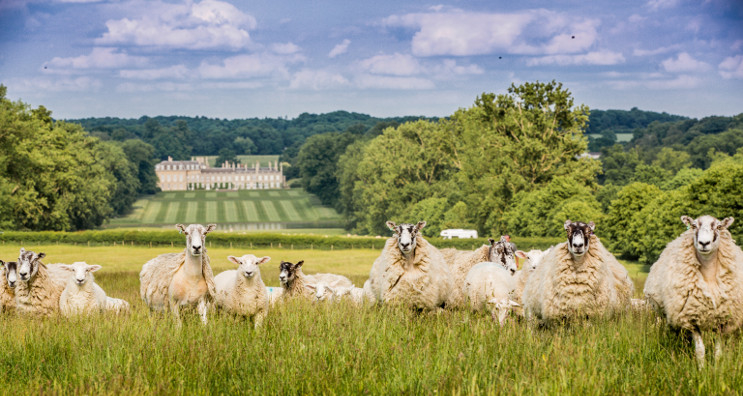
(170,159)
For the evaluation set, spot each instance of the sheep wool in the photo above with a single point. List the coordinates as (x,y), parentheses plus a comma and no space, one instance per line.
(157,275)
(461,264)
(676,287)
(7,294)
(40,294)
(559,288)
(422,282)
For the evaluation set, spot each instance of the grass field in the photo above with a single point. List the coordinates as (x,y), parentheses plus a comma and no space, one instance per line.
(340,349)
(242,210)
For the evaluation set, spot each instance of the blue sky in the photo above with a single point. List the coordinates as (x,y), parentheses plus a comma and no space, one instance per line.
(239,59)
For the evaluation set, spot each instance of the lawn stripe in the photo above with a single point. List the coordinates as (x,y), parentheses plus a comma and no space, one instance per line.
(240,211)
(270,210)
(201,214)
(211,212)
(290,210)
(192,212)
(280,210)
(221,211)
(171,216)
(160,217)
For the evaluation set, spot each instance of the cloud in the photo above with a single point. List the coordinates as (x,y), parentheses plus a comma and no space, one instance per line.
(210,24)
(396,64)
(248,66)
(655,5)
(684,63)
(177,72)
(603,58)
(732,67)
(339,49)
(680,82)
(534,32)
(657,51)
(450,67)
(285,48)
(129,87)
(99,58)
(367,81)
(37,85)
(318,80)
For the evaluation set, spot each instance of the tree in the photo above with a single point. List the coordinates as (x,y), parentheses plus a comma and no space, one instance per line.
(618,165)
(245,145)
(317,161)
(672,160)
(227,154)
(622,211)
(142,156)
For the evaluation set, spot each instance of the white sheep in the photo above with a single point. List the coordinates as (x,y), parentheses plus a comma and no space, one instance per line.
(410,271)
(81,295)
(322,292)
(116,305)
(577,279)
(489,287)
(242,291)
(274,294)
(174,280)
(324,286)
(697,283)
(502,252)
(533,259)
(39,285)
(7,290)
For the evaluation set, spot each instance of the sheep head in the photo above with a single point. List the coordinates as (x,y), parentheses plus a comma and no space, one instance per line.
(195,237)
(288,272)
(247,265)
(406,235)
(579,235)
(322,291)
(504,253)
(500,309)
(28,264)
(707,232)
(11,272)
(81,271)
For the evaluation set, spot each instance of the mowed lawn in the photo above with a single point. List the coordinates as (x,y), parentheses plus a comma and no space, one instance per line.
(289,207)
(337,349)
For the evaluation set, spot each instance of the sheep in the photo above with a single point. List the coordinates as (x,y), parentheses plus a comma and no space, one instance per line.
(576,279)
(116,305)
(533,259)
(242,291)
(358,295)
(81,295)
(323,286)
(40,285)
(322,291)
(410,271)
(697,283)
(274,294)
(293,281)
(7,290)
(502,252)
(174,280)
(489,286)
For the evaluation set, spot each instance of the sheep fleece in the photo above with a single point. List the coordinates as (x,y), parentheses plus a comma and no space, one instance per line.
(157,274)
(460,265)
(424,282)
(41,295)
(676,288)
(558,289)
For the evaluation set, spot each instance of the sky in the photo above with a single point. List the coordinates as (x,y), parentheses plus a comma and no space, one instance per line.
(243,59)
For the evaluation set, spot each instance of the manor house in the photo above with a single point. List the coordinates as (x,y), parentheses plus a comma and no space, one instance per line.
(198,175)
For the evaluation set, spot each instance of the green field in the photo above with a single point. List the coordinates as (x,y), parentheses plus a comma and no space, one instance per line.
(242,210)
(341,349)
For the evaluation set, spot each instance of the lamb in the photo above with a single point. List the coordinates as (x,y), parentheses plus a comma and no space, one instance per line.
(274,294)
(82,295)
(7,290)
(410,271)
(324,292)
(116,305)
(357,295)
(40,285)
(489,286)
(501,252)
(577,279)
(242,291)
(533,259)
(697,283)
(174,280)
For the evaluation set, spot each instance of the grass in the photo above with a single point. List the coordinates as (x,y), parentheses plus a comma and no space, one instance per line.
(338,349)
(279,208)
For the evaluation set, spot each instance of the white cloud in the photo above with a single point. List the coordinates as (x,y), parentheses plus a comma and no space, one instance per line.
(450,67)
(732,67)
(339,49)
(684,63)
(177,72)
(99,58)
(602,58)
(285,48)
(36,85)
(459,33)
(396,65)
(209,24)
(680,82)
(367,81)
(318,80)
(248,66)
(129,87)
(655,5)
(657,51)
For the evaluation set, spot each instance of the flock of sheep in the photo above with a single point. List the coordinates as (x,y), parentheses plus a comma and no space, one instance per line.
(696,285)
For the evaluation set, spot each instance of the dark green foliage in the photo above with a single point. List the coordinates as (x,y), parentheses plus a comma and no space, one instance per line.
(317,162)
(142,156)
(226,154)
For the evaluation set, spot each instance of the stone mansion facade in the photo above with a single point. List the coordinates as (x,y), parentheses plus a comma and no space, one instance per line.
(197,175)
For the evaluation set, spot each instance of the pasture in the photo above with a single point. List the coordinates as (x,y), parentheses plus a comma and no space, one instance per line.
(243,210)
(309,348)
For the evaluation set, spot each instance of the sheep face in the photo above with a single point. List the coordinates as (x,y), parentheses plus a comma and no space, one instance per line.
(706,232)
(195,236)
(11,272)
(535,257)
(288,271)
(406,234)
(247,265)
(28,264)
(503,252)
(322,291)
(81,272)
(501,308)
(579,234)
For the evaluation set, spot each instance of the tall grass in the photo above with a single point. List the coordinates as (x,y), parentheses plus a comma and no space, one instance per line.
(340,349)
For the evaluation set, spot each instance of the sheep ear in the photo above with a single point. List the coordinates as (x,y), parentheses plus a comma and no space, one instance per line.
(22,251)
(180,227)
(420,225)
(492,241)
(727,222)
(331,289)
(66,267)
(513,303)
(691,223)
(299,264)
(521,254)
(94,268)
(392,226)
(234,259)
(40,256)
(592,225)
(313,287)
(264,259)
(2,263)
(210,228)
(567,224)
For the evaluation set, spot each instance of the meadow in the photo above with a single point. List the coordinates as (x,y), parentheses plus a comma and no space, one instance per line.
(307,348)
(243,210)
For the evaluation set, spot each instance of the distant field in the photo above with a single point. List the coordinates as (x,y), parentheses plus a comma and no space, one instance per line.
(248,159)
(244,210)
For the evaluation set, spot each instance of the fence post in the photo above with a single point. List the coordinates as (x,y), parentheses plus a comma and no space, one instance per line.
(171,243)
(292,246)
(312,246)
(331,247)
(271,245)
(230,244)
(279,245)
(251,245)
